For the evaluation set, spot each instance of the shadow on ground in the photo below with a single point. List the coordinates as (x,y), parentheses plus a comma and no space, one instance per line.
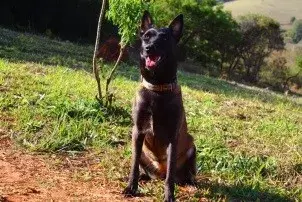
(238,192)
(18,47)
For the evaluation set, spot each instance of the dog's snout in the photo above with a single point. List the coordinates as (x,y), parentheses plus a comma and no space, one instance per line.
(149,49)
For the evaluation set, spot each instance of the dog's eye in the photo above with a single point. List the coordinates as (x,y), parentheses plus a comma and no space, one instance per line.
(146,37)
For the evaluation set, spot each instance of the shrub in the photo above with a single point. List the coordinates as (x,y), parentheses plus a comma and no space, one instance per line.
(297,80)
(210,32)
(297,31)
(275,72)
(292,19)
(261,36)
(67,19)
(126,15)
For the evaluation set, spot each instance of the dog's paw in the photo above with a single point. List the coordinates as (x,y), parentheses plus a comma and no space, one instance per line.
(169,196)
(169,199)
(129,191)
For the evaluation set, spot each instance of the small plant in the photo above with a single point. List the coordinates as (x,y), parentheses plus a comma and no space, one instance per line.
(275,71)
(292,19)
(126,15)
(96,48)
(297,31)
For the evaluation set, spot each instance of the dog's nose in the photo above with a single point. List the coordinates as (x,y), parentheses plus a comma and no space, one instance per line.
(149,49)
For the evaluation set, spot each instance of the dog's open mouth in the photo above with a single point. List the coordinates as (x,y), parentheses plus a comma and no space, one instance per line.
(152,60)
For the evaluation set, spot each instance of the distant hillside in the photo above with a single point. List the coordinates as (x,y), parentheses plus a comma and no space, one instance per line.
(281,10)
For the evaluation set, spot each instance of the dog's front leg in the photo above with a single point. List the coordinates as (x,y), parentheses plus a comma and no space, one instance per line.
(137,144)
(171,170)
(141,119)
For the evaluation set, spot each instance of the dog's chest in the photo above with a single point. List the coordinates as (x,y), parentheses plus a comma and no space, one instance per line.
(159,132)
(163,122)
(156,147)
(161,129)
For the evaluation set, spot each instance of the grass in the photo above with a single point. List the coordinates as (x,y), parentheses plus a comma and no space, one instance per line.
(249,141)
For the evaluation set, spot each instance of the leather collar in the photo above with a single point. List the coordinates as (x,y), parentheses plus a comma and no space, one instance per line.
(170,87)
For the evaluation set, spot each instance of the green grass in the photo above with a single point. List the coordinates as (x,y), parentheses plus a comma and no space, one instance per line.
(249,142)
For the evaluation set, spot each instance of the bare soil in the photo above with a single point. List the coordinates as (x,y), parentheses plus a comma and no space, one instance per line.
(44,177)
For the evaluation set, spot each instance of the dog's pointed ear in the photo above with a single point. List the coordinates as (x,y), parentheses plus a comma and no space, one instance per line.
(177,26)
(146,23)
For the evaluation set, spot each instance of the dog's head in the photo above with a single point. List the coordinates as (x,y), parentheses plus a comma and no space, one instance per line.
(158,49)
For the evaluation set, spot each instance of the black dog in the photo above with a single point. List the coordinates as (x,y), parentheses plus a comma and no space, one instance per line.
(161,145)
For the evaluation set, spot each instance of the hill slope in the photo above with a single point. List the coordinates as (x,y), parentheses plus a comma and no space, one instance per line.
(249,142)
(280,10)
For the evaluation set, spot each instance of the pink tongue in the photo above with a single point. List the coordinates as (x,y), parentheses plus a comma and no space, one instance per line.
(151,61)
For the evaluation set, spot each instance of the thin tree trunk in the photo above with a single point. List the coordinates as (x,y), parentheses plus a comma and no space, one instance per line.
(232,66)
(221,63)
(109,78)
(96,48)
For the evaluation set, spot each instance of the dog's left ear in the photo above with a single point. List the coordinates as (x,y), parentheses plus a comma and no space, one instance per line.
(177,26)
(146,23)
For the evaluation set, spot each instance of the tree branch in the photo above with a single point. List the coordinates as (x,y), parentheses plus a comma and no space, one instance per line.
(96,48)
(109,78)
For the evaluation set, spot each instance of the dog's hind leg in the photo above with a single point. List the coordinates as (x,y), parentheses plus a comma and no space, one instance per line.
(143,175)
(186,174)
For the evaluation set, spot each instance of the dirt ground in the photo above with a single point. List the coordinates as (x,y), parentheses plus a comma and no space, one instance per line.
(39,177)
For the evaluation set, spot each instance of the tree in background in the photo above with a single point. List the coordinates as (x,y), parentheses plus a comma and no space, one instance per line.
(296,32)
(275,72)
(210,33)
(292,20)
(261,36)
(295,76)
(74,20)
